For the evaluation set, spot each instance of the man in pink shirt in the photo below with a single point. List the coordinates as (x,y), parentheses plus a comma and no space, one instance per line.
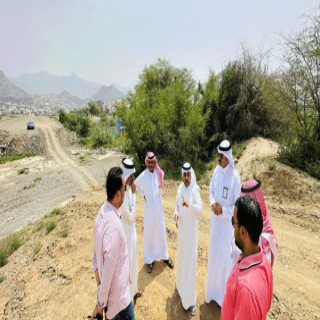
(249,288)
(110,258)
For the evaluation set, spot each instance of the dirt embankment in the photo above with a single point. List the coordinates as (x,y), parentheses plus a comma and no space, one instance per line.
(58,282)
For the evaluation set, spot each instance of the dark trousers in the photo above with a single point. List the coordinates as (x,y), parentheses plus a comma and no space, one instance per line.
(125,314)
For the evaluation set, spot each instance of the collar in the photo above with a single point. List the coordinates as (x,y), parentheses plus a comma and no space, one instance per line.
(110,207)
(224,170)
(251,261)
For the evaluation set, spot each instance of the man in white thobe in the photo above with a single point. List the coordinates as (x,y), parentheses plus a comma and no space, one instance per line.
(148,184)
(223,193)
(187,210)
(128,215)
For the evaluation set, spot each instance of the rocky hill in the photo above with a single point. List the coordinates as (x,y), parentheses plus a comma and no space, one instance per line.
(108,94)
(10,92)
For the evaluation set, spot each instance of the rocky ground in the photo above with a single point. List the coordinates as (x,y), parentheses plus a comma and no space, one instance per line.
(58,282)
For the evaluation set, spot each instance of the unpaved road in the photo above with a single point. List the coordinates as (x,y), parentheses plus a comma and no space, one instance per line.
(60,175)
(58,281)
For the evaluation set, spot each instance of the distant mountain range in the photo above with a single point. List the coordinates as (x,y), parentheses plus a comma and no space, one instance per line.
(44,82)
(55,90)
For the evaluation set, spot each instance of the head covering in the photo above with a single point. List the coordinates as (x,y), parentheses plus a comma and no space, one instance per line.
(186,168)
(128,168)
(152,156)
(225,148)
(269,241)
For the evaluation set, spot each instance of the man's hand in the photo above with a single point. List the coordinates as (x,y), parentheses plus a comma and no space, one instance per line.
(176,218)
(185,203)
(217,209)
(145,198)
(96,311)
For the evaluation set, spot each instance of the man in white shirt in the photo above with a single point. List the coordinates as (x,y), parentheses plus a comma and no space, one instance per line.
(187,210)
(223,193)
(148,184)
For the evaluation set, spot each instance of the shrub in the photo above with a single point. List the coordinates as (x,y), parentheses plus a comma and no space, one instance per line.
(55,212)
(39,227)
(50,225)
(100,136)
(237,149)
(272,165)
(36,247)
(63,233)
(10,244)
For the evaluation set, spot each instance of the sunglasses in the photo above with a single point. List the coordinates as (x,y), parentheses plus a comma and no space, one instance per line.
(220,155)
(232,221)
(150,161)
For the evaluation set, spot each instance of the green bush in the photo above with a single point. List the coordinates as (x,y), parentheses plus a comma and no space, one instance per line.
(237,149)
(100,136)
(50,225)
(303,155)
(272,165)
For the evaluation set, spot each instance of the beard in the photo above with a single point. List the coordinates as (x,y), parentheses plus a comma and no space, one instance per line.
(238,244)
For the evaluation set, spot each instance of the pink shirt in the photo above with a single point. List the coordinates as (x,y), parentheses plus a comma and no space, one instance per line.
(110,257)
(249,289)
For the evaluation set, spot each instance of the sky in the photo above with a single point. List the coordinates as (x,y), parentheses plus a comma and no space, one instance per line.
(112,41)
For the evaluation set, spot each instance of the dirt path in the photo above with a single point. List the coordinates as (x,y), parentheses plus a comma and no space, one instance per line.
(84,178)
(53,179)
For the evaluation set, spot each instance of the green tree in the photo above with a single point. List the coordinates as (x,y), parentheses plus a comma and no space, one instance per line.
(164,116)
(94,109)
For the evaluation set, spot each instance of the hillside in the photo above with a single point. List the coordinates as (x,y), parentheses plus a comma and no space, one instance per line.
(108,94)
(10,92)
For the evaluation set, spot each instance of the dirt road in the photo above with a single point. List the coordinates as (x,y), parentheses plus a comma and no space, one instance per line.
(53,179)
(58,282)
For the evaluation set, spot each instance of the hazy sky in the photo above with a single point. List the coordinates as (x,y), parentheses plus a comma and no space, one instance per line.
(111,41)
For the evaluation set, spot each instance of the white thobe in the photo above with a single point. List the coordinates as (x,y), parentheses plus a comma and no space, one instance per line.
(128,214)
(187,243)
(224,189)
(154,230)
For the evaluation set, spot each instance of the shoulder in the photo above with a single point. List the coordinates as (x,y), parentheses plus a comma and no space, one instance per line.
(180,188)
(196,188)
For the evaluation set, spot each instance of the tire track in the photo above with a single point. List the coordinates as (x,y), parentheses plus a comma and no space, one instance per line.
(83,177)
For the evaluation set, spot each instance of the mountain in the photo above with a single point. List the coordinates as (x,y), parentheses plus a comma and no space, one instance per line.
(107,94)
(43,82)
(9,92)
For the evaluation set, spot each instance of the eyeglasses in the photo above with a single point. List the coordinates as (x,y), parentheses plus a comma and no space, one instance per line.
(232,221)
(150,161)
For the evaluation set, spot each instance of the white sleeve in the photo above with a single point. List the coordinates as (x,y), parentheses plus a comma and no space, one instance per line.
(139,184)
(211,191)
(227,211)
(127,213)
(195,209)
(176,207)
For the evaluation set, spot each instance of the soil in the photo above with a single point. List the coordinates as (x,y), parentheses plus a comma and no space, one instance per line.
(58,282)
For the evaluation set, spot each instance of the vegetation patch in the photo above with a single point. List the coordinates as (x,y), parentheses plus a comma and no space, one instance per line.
(36,247)
(38,227)
(17,157)
(237,149)
(56,212)
(50,225)
(63,233)
(37,179)
(2,278)
(23,171)
(272,165)
(10,244)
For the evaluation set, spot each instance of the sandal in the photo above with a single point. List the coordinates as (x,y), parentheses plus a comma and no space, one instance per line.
(169,263)
(150,267)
